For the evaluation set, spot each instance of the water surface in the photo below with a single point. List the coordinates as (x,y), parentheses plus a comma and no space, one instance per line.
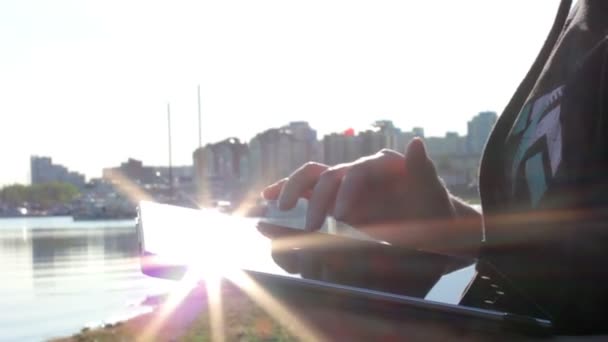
(59,276)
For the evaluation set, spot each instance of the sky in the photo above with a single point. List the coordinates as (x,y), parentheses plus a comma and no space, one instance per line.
(87,82)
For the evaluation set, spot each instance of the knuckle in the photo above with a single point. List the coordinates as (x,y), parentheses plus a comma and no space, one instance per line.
(305,171)
(390,155)
(329,175)
(278,184)
(310,166)
(358,171)
(386,152)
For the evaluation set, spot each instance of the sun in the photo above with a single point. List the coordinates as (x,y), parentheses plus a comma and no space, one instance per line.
(195,238)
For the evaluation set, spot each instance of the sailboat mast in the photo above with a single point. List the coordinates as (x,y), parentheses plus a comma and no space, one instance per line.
(170,151)
(200,134)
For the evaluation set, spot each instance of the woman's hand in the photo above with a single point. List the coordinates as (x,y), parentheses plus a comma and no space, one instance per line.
(397,198)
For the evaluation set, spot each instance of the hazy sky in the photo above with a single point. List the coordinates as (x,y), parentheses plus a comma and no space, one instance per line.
(87,82)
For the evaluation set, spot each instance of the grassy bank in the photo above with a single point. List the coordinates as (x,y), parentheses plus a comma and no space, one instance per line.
(243,320)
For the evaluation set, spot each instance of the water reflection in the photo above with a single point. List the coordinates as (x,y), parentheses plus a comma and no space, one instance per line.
(59,275)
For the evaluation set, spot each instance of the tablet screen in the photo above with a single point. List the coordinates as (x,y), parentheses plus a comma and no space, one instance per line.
(209,242)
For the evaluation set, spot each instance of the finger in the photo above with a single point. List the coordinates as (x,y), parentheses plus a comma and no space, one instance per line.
(355,183)
(272,191)
(323,196)
(424,181)
(382,164)
(287,259)
(301,181)
(417,162)
(309,265)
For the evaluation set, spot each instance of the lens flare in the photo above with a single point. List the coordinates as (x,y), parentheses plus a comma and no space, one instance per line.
(297,325)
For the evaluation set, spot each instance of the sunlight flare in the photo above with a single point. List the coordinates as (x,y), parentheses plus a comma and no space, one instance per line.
(213,284)
(128,188)
(294,323)
(175,298)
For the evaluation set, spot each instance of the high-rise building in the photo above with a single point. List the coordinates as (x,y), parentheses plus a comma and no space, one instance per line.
(221,169)
(203,164)
(43,170)
(451,144)
(302,140)
(478,131)
(182,174)
(277,152)
(418,132)
(371,141)
(263,157)
(340,148)
(134,171)
(402,139)
(387,130)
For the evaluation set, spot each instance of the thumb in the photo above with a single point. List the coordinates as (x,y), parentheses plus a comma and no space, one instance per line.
(432,197)
(417,162)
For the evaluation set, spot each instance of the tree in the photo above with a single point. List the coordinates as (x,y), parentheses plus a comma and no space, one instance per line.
(14,195)
(43,195)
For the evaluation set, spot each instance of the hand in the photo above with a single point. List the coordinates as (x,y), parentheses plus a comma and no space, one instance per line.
(353,262)
(397,198)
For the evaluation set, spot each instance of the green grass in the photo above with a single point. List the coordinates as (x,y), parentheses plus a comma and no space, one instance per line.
(243,321)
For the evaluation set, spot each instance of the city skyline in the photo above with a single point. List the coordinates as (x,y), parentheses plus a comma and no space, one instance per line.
(232,170)
(163,163)
(88,82)
(44,169)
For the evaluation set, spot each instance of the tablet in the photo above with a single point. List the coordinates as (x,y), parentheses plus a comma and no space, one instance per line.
(339,263)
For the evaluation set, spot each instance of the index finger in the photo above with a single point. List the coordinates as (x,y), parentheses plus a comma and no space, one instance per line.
(299,183)
(382,166)
(272,191)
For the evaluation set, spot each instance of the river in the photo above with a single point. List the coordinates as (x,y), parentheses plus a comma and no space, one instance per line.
(59,275)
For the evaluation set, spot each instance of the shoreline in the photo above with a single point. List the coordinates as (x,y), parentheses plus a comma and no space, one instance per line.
(190,320)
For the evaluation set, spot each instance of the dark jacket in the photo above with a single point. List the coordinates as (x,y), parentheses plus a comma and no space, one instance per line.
(544,175)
